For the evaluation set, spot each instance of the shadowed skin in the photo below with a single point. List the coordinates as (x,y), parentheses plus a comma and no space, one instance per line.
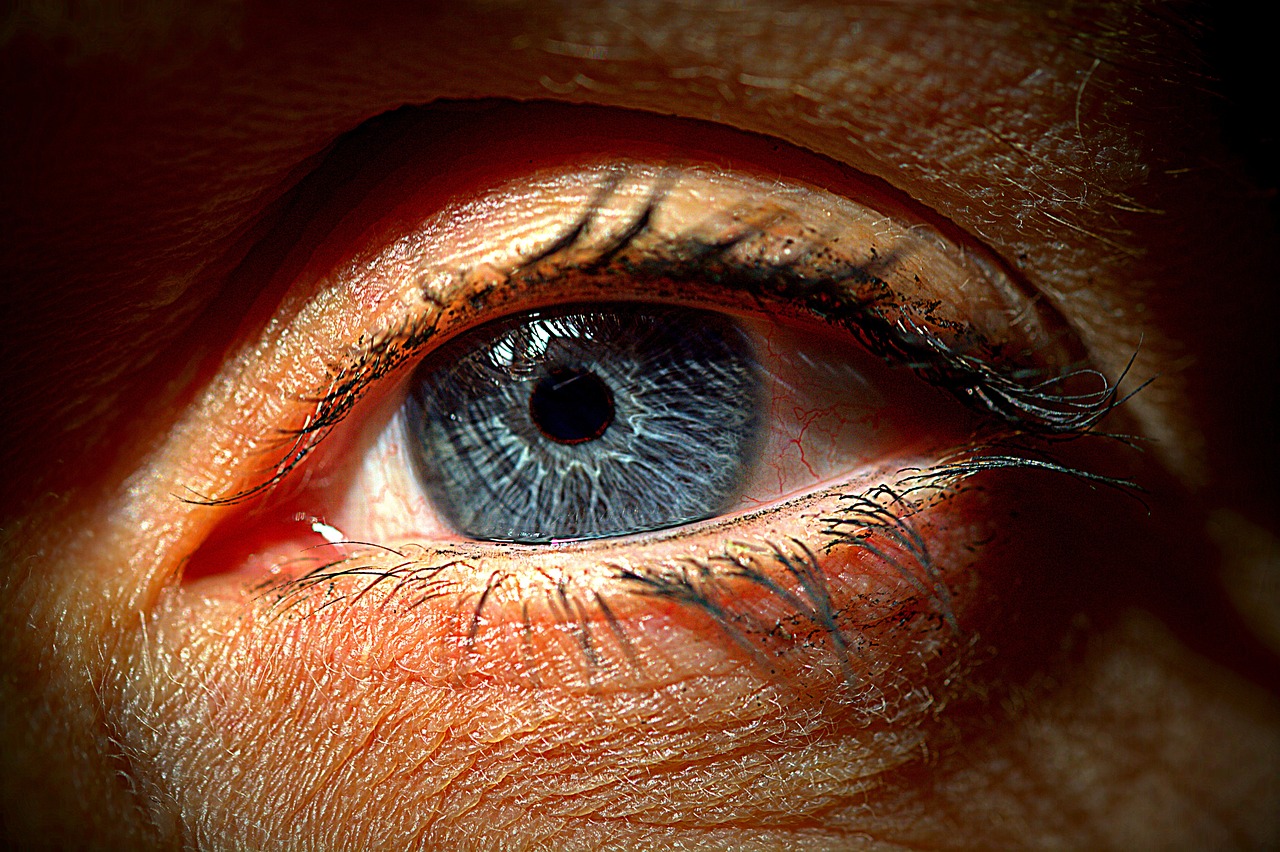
(1017,660)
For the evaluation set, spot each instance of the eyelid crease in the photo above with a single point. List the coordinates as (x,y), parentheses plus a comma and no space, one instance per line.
(430,172)
(761,251)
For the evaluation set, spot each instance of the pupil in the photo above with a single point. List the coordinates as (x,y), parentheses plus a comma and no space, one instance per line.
(571,406)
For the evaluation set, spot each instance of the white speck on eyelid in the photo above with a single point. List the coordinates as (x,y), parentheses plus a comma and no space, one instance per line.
(333,535)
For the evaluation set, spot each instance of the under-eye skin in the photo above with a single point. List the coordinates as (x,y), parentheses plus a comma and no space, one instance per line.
(826,588)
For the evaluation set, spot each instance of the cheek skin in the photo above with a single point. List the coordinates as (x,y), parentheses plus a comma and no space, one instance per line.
(367,700)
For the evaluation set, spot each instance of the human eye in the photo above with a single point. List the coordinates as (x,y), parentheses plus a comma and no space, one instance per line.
(252,602)
(900,397)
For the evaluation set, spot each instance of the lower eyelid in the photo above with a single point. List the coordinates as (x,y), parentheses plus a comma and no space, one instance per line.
(851,598)
(719,598)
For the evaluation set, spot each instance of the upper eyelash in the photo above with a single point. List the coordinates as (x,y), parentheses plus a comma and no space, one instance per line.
(1023,398)
(850,295)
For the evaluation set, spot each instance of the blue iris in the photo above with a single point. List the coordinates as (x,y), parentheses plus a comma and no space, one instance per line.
(586,422)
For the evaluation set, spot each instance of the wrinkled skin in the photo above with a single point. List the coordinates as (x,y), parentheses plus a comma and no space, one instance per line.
(1131,704)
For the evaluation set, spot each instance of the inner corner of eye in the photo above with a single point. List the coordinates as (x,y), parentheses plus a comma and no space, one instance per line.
(603,420)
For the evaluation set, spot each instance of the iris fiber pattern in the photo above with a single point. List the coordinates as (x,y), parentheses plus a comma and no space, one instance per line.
(677,448)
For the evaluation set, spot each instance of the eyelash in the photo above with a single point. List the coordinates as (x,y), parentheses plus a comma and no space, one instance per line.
(877,521)
(1021,398)
(1025,406)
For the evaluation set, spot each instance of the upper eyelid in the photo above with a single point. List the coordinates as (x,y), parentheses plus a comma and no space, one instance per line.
(891,325)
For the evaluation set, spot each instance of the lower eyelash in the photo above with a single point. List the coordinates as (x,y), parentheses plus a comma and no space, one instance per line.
(878,521)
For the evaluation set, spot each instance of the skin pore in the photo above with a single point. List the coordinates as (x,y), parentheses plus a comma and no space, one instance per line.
(1113,685)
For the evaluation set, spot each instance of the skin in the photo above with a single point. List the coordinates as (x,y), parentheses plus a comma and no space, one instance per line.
(1123,693)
